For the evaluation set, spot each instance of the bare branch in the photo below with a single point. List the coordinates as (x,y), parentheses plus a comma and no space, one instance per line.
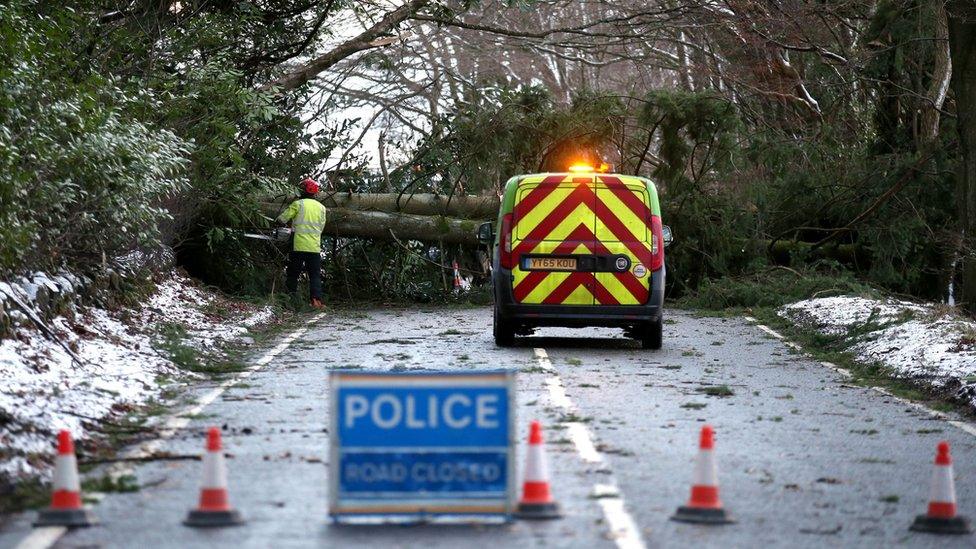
(372,37)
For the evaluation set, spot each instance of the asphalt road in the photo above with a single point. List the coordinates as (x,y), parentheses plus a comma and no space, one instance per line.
(805,459)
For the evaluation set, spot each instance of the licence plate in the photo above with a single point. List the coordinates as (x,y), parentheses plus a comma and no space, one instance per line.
(550,264)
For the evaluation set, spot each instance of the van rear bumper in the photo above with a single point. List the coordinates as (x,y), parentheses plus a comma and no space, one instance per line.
(576,316)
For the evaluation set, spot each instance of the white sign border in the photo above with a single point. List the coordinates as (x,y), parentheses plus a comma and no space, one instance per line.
(338,517)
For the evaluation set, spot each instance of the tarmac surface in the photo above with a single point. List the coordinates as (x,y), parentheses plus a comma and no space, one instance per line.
(805,459)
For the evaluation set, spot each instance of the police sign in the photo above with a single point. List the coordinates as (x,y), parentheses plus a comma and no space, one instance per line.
(412,446)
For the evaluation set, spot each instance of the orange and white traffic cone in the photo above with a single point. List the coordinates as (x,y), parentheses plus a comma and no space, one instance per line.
(941,517)
(66,508)
(457,276)
(214,509)
(537,501)
(704,506)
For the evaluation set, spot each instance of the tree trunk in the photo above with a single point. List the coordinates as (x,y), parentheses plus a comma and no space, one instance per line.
(941,75)
(381,152)
(962,45)
(384,226)
(467,207)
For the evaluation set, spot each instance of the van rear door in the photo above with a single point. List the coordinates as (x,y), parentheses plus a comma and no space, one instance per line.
(553,226)
(623,230)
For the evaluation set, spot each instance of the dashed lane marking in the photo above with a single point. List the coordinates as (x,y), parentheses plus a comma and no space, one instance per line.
(623,530)
(620,521)
(557,393)
(959,424)
(580,435)
(43,538)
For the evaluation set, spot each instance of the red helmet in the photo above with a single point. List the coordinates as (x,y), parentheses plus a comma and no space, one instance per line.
(310,186)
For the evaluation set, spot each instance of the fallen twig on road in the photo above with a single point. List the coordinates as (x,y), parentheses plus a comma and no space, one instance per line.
(142,459)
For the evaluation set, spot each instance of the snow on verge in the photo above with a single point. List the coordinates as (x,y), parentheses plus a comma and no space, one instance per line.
(43,389)
(928,344)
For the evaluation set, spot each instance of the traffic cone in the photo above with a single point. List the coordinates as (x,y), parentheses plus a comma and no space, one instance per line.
(704,506)
(65,509)
(537,501)
(941,517)
(214,509)
(457,276)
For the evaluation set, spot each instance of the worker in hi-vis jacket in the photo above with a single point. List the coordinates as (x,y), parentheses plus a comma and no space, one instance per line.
(307,218)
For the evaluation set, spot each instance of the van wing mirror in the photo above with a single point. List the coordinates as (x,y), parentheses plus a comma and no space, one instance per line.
(666,235)
(486,234)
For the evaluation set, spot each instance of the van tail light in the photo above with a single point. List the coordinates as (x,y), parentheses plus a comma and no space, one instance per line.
(505,243)
(657,244)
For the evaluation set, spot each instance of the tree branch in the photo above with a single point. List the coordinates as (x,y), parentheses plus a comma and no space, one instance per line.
(372,37)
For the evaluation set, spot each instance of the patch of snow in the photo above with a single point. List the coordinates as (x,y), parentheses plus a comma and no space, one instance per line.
(928,344)
(30,290)
(42,279)
(43,389)
(263,316)
(176,301)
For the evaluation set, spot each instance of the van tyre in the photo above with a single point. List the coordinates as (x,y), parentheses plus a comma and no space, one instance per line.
(503,331)
(653,334)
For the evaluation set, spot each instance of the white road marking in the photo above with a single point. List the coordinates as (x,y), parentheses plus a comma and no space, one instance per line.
(44,538)
(766,329)
(964,426)
(968,427)
(623,529)
(773,333)
(581,438)
(622,526)
(557,393)
(843,371)
(542,357)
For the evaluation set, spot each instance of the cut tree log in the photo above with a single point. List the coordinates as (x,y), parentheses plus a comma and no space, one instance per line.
(384,226)
(463,206)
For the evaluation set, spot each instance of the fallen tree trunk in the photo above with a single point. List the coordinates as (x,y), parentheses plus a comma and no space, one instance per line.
(385,226)
(464,206)
(373,215)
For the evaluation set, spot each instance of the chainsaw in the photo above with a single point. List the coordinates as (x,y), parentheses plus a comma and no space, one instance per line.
(280,234)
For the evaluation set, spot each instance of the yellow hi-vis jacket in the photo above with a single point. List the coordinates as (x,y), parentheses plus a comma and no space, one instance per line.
(307,218)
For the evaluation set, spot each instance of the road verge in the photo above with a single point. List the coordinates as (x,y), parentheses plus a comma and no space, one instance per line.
(922,352)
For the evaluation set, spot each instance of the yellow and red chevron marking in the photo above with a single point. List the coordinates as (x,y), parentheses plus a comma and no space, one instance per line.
(564,215)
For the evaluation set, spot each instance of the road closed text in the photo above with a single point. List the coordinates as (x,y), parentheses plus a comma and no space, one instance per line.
(406,472)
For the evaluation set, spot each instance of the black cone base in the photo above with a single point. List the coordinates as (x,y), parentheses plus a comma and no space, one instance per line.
(538,511)
(213,519)
(955,525)
(700,515)
(73,518)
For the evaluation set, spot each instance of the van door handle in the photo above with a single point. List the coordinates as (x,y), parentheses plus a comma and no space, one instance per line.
(619,263)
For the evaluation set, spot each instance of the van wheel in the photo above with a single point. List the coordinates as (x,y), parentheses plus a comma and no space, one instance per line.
(653,334)
(503,331)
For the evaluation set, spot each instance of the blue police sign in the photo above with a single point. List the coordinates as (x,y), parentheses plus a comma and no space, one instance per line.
(412,446)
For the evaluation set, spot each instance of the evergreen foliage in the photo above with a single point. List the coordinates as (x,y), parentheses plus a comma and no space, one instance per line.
(144,127)
(81,178)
